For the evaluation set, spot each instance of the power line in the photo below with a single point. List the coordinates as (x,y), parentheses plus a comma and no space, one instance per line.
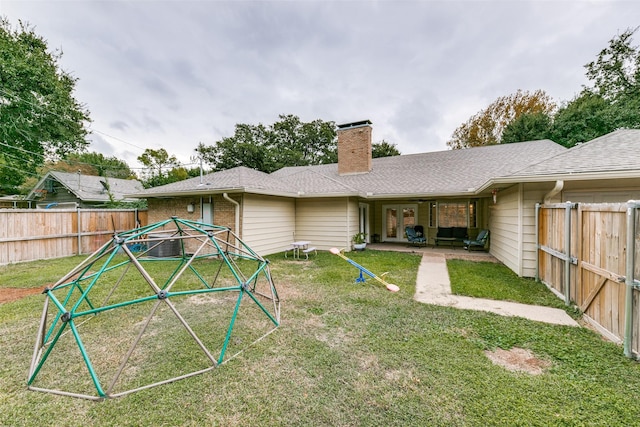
(90,129)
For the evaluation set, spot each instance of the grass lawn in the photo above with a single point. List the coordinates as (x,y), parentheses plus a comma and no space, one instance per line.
(494,281)
(346,354)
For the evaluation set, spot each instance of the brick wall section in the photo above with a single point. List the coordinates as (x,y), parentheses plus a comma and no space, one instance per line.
(223,211)
(354,150)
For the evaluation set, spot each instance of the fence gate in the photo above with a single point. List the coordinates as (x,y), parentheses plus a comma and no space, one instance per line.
(583,258)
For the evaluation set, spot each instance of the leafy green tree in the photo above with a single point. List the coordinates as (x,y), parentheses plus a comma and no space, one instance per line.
(287,142)
(384,149)
(157,160)
(39,117)
(247,147)
(110,167)
(486,127)
(161,168)
(586,117)
(616,71)
(613,100)
(527,127)
(295,143)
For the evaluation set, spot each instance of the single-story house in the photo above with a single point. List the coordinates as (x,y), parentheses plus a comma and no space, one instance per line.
(492,187)
(70,190)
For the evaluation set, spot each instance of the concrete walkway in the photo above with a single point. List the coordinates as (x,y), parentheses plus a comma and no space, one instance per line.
(433,287)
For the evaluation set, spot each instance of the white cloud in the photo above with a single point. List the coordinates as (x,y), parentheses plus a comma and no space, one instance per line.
(171,74)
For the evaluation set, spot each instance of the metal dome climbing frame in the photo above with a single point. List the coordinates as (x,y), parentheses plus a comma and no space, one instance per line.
(166,288)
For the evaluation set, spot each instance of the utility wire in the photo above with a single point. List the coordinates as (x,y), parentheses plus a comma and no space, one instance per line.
(90,129)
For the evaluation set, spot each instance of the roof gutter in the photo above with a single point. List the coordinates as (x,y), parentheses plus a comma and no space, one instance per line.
(578,176)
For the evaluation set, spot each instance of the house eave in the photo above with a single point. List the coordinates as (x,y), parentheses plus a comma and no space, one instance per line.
(583,176)
(208,191)
(433,195)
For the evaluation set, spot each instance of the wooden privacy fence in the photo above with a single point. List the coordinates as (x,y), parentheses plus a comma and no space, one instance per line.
(589,254)
(30,234)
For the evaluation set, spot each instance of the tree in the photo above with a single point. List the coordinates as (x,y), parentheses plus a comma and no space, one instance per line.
(613,102)
(486,127)
(110,167)
(39,117)
(287,142)
(527,127)
(586,117)
(160,168)
(384,149)
(247,147)
(616,71)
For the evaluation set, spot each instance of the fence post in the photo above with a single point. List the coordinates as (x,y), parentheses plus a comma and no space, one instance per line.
(537,225)
(79,231)
(567,246)
(628,309)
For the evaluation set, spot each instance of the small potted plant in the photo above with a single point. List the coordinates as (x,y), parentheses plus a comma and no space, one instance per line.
(359,241)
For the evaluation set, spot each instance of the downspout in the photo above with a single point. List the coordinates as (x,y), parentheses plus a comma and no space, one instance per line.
(237,212)
(557,189)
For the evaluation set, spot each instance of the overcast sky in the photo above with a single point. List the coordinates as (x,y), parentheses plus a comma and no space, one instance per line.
(171,74)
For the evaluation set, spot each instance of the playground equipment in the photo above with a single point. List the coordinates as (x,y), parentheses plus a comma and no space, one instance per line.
(171,312)
(391,287)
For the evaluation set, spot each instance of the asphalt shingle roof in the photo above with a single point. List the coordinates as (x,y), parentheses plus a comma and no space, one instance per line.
(239,178)
(445,172)
(615,152)
(90,189)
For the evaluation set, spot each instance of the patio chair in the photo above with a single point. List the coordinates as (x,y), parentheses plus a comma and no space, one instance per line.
(479,242)
(413,237)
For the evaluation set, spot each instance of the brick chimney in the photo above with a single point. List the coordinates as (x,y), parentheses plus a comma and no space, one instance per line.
(354,148)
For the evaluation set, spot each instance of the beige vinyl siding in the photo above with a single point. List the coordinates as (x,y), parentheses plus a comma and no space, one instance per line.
(268,223)
(504,223)
(327,223)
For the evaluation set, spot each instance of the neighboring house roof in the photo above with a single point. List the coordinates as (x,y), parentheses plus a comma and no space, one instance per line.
(451,172)
(610,156)
(90,188)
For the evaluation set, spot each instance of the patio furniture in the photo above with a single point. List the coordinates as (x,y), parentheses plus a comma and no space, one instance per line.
(413,237)
(451,235)
(301,246)
(479,242)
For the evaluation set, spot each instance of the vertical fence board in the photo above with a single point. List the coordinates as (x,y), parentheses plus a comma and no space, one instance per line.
(598,240)
(31,234)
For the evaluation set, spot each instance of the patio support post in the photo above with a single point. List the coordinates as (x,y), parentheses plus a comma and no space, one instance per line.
(628,309)
(567,246)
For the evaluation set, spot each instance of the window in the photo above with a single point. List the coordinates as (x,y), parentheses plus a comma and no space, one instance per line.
(454,214)
(473,217)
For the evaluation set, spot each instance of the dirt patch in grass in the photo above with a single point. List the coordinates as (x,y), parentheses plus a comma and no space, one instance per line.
(518,360)
(12,294)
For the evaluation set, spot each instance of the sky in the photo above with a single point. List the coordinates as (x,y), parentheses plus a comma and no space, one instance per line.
(171,74)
